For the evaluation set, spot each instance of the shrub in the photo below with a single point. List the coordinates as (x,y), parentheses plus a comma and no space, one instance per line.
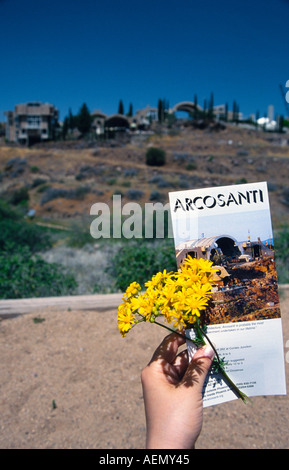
(140,260)
(55,193)
(285,196)
(155,156)
(7,212)
(23,275)
(191,165)
(34,169)
(156,196)
(19,232)
(134,194)
(22,272)
(37,182)
(281,242)
(22,233)
(19,196)
(160,181)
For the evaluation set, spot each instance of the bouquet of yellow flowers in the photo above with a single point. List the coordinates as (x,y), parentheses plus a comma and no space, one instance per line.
(180,299)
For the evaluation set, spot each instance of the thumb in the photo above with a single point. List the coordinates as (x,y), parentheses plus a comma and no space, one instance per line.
(199,366)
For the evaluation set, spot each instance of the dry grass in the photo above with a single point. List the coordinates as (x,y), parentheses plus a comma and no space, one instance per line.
(194,159)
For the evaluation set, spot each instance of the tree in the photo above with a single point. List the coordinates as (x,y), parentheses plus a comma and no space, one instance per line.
(65,127)
(120,107)
(196,111)
(71,120)
(195,101)
(205,108)
(226,112)
(160,111)
(235,111)
(84,120)
(163,106)
(211,106)
(130,111)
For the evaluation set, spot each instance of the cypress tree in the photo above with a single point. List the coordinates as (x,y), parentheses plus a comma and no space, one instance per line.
(130,112)
(160,111)
(120,107)
(84,120)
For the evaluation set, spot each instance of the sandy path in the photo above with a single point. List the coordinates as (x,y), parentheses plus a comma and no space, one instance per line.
(71,381)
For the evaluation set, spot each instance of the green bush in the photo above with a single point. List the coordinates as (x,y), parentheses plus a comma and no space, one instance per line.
(19,196)
(7,212)
(155,156)
(18,231)
(281,243)
(24,275)
(140,260)
(22,272)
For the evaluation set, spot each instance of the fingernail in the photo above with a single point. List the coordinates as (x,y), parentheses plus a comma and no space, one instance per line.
(208,351)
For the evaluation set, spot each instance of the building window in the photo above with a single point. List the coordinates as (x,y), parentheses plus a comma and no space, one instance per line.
(33,122)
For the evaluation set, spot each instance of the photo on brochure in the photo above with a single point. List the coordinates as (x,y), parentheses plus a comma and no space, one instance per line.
(230,226)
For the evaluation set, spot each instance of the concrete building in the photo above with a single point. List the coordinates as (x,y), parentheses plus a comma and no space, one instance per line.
(210,248)
(31,122)
(98,122)
(143,118)
(223,247)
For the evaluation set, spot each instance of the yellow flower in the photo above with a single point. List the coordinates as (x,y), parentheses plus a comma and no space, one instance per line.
(132,289)
(202,264)
(146,304)
(178,297)
(195,303)
(202,289)
(167,294)
(168,314)
(179,320)
(179,300)
(157,279)
(125,319)
(191,319)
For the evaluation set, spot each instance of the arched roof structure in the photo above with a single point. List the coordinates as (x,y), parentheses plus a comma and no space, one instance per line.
(98,113)
(188,106)
(208,243)
(117,121)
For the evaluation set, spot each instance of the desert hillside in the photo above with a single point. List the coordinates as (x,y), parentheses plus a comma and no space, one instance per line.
(63,179)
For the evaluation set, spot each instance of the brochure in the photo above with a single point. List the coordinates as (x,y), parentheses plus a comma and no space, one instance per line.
(231,226)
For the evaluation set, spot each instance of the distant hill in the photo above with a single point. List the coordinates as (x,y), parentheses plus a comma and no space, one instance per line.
(61,180)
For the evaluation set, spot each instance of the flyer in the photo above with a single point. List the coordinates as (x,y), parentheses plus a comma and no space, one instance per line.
(231,226)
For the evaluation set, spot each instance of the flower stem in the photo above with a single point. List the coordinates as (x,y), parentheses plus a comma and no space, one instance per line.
(170,329)
(236,390)
(220,366)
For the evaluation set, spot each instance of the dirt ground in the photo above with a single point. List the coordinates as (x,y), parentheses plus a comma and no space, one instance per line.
(71,381)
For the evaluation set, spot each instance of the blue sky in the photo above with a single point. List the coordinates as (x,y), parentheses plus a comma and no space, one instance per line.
(71,52)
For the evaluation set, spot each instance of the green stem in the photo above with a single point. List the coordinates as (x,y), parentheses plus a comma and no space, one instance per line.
(227,379)
(170,329)
(236,390)
(211,344)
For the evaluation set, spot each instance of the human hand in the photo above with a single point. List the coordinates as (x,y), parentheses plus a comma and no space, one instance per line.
(172,388)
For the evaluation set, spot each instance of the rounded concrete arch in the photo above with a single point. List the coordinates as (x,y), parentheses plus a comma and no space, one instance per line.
(116,121)
(188,106)
(227,244)
(208,247)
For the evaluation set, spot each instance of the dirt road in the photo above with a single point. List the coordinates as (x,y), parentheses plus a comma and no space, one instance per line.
(69,380)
